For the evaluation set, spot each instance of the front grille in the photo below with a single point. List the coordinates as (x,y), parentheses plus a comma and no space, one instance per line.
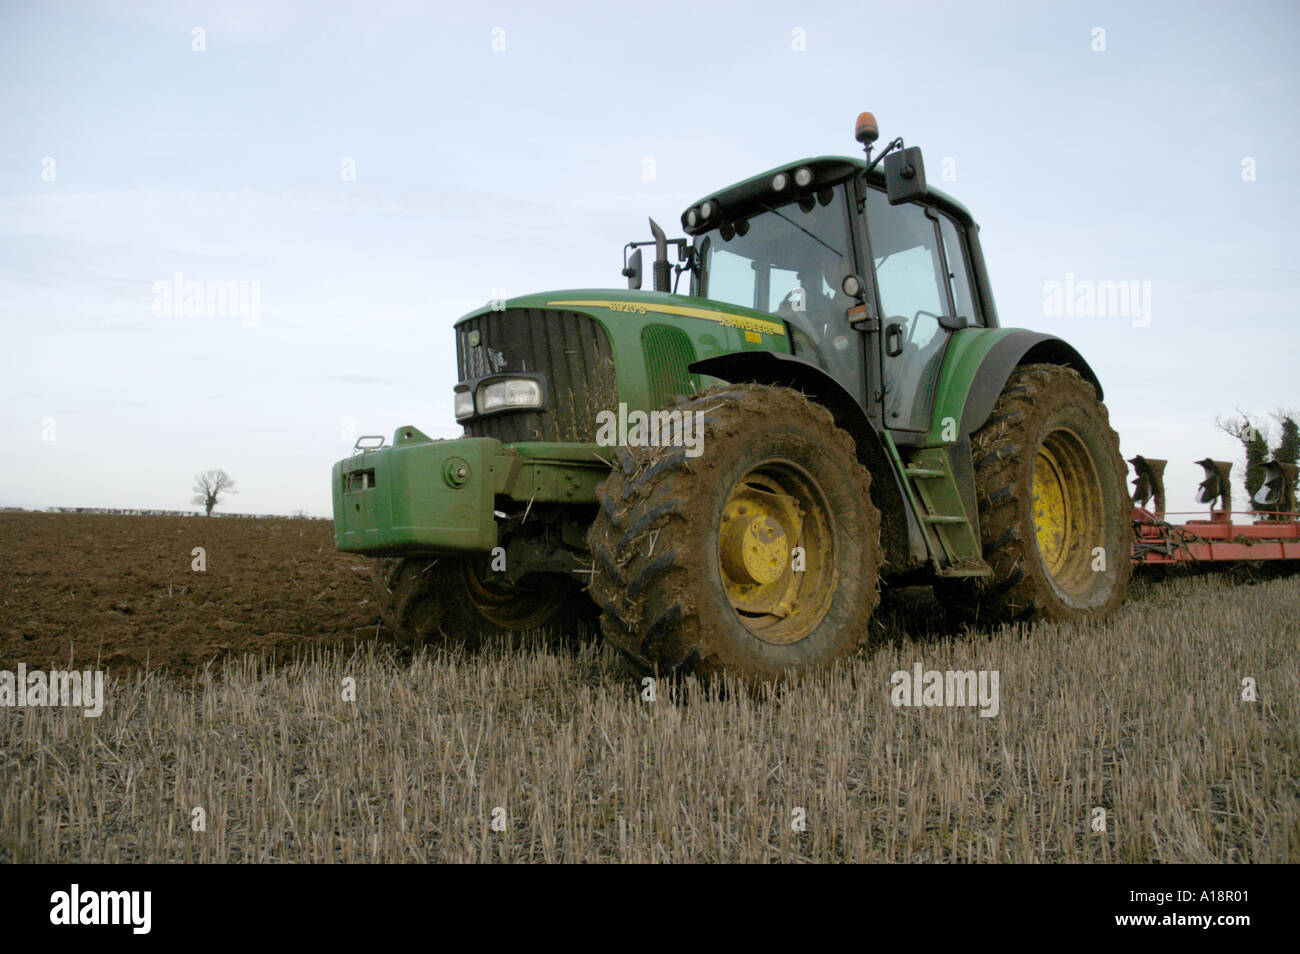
(668,354)
(570,349)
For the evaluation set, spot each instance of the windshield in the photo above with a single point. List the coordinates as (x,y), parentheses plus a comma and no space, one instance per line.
(791,264)
(787,262)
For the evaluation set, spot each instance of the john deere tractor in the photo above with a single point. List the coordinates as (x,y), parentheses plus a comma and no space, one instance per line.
(727,476)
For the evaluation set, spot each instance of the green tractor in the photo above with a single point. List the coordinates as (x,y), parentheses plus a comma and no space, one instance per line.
(728,476)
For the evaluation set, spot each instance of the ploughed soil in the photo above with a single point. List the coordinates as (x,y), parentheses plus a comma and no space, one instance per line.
(120,591)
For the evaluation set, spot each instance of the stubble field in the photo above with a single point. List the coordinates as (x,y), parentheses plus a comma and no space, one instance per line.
(256,698)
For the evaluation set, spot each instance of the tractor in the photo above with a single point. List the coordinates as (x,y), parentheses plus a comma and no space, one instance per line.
(727,476)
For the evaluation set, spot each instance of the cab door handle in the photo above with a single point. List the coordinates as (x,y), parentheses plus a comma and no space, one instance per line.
(894,340)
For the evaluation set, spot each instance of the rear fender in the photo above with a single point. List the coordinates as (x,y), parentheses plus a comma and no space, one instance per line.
(978,363)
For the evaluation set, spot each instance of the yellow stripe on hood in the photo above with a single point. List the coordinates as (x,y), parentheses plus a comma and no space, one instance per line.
(642,308)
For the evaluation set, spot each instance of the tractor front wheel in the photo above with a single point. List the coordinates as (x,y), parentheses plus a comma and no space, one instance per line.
(758,556)
(424,600)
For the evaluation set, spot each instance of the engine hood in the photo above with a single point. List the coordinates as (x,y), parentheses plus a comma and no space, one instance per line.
(608,304)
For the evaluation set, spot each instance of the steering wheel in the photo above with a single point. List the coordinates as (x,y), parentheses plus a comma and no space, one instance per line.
(905,343)
(787,303)
(816,330)
(912,330)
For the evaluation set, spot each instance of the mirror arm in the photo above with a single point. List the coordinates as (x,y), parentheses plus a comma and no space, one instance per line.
(896,144)
(687,253)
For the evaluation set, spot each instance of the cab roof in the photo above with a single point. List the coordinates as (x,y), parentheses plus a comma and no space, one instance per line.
(751,195)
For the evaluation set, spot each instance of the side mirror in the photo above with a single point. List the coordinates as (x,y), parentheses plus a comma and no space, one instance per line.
(904,175)
(632,269)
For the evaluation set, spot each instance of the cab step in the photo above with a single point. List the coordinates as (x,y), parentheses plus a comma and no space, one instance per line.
(954,544)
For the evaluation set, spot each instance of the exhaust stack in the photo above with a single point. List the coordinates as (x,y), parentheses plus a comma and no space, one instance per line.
(662,268)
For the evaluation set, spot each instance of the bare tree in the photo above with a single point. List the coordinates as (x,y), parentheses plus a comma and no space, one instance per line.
(1239,426)
(1255,441)
(210,486)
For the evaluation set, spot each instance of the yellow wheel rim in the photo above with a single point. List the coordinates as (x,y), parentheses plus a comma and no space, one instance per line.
(1069,515)
(776,552)
(1053,517)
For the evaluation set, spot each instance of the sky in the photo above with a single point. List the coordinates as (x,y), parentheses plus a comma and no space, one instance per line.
(371,172)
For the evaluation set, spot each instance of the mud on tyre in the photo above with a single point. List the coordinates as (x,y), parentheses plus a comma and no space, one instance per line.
(695,557)
(1050,484)
(424,600)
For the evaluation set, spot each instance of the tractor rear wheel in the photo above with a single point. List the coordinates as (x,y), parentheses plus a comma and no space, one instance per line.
(1054,508)
(758,556)
(425,600)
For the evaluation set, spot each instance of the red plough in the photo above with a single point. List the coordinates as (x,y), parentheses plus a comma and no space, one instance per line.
(1271,533)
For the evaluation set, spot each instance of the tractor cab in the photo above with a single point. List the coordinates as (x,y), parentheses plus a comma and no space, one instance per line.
(870,272)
